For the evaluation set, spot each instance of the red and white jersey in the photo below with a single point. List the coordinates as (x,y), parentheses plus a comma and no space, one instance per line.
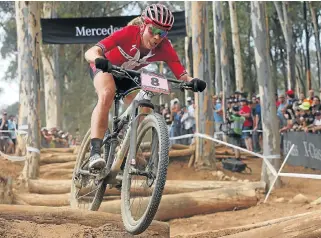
(122,49)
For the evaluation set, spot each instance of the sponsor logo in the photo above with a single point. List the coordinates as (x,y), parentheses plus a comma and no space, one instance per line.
(84,31)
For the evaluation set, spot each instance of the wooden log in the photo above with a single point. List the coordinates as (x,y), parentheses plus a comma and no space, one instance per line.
(175,153)
(57,159)
(181,147)
(49,167)
(193,203)
(43,186)
(59,216)
(146,146)
(57,150)
(191,161)
(53,200)
(301,226)
(58,172)
(227,232)
(6,196)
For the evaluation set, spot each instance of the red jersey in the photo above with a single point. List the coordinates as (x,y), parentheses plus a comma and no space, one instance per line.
(246,109)
(122,49)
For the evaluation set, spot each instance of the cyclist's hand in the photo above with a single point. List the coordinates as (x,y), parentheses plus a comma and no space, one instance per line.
(103,64)
(197,85)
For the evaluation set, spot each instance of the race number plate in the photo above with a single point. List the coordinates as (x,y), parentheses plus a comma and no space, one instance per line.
(154,83)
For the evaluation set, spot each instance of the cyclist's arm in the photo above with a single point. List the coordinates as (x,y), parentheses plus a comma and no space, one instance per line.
(107,44)
(94,53)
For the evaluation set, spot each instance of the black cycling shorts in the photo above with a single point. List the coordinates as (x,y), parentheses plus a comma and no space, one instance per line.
(123,85)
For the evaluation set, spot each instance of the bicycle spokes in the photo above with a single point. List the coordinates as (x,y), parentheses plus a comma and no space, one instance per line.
(143,175)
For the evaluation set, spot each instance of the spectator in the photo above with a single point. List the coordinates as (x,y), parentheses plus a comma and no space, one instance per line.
(187,121)
(176,115)
(317,123)
(289,115)
(173,99)
(280,114)
(218,116)
(310,97)
(248,123)
(316,103)
(191,111)
(235,135)
(6,140)
(257,136)
(306,116)
(12,126)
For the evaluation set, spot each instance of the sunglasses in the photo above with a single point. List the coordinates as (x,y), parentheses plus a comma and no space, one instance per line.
(156,31)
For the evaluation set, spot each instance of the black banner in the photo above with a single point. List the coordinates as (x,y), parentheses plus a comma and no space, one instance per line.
(92,30)
(306,151)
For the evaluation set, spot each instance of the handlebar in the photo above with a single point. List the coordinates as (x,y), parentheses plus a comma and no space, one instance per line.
(182,85)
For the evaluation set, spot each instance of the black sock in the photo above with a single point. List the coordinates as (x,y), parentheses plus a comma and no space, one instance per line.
(95,146)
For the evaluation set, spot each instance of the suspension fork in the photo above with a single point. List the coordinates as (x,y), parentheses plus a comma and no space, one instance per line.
(135,116)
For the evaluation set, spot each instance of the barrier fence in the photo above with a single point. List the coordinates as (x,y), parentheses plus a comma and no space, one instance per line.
(266,158)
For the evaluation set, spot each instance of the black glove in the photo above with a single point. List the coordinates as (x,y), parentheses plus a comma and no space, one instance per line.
(197,85)
(103,64)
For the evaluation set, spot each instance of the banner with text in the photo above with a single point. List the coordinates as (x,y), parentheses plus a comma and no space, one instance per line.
(92,30)
(306,151)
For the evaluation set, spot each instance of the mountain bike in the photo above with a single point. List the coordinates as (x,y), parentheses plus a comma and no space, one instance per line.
(140,175)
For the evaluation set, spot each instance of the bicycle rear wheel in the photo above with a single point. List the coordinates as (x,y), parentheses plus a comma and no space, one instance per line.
(86,192)
(143,184)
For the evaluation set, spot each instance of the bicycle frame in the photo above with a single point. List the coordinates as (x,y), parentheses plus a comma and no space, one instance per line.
(131,134)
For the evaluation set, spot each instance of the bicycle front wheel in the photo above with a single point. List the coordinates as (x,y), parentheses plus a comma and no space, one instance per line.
(143,183)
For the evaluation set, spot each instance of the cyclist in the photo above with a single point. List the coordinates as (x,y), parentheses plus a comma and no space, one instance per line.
(131,47)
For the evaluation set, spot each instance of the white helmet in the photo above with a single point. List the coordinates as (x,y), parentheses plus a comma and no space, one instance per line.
(159,15)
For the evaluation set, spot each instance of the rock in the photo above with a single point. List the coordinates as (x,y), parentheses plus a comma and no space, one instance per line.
(279,200)
(316,202)
(300,198)
(240,180)
(246,181)
(220,175)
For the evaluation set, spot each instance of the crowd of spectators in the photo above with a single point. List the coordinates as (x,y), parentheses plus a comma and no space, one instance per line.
(52,138)
(55,138)
(180,118)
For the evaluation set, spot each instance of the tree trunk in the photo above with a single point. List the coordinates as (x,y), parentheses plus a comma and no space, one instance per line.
(199,202)
(51,74)
(286,26)
(271,136)
(236,48)
(205,151)
(60,216)
(317,39)
(307,41)
(188,43)
(224,57)
(22,46)
(217,46)
(28,15)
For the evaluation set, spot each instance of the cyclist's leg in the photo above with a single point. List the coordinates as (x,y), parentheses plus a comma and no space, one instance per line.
(105,89)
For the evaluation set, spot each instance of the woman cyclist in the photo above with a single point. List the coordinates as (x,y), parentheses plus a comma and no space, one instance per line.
(132,47)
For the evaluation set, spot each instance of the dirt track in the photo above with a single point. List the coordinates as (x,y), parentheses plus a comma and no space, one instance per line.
(41,227)
(49,222)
